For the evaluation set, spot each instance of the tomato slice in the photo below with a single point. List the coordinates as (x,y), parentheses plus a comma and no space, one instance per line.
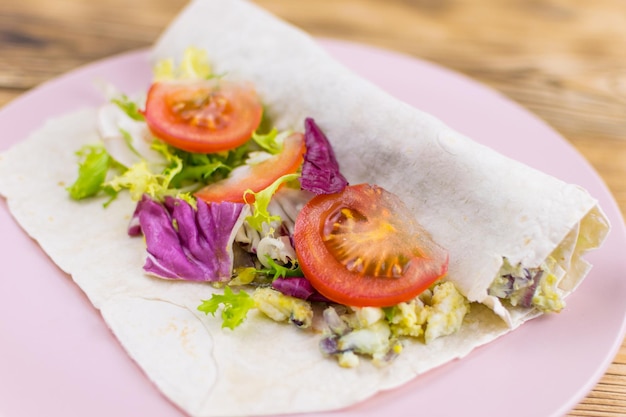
(256,177)
(202,116)
(363,247)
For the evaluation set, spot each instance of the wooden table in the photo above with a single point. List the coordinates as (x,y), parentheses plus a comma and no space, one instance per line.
(563,60)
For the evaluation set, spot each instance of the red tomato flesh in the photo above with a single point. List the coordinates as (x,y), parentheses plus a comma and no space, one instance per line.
(256,177)
(363,247)
(202,116)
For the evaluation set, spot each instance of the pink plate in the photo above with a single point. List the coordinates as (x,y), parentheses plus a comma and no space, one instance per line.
(57,357)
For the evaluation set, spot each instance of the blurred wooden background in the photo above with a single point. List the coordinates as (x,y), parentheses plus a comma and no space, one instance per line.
(563,60)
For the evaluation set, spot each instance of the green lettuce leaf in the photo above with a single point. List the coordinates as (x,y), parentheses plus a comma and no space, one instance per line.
(272,141)
(92,171)
(235,306)
(279,271)
(139,179)
(202,169)
(129,107)
(262,199)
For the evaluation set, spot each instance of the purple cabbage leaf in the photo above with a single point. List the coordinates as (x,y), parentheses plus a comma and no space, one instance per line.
(186,243)
(320,169)
(298,287)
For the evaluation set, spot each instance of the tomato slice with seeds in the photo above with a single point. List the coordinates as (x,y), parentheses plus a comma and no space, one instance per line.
(363,247)
(257,177)
(202,116)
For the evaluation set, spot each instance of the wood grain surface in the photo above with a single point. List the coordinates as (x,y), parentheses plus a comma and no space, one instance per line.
(565,61)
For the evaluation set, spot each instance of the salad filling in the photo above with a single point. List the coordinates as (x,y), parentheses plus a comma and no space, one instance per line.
(529,287)
(264,218)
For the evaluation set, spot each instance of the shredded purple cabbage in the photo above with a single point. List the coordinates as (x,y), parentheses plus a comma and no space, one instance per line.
(329,345)
(320,169)
(134,228)
(294,286)
(298,287)
(527,298)
(188,244)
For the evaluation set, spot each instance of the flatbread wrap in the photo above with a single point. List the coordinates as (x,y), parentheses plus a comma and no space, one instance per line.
(492,214)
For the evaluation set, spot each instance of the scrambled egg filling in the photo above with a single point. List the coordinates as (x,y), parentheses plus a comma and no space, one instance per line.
(435,313)
(530,287)
(280,307)
(548,297)
(351,333)
(377,332)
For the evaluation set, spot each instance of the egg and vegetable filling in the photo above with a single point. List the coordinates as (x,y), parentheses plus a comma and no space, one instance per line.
(529,287)
(376,333)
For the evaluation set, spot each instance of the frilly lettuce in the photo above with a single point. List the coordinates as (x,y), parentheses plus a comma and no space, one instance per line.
(235,306)
(92,171)
(262,199)
(202,169)
(277,271)
(194,65)
(140,180)
(272,141)
(128,106)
